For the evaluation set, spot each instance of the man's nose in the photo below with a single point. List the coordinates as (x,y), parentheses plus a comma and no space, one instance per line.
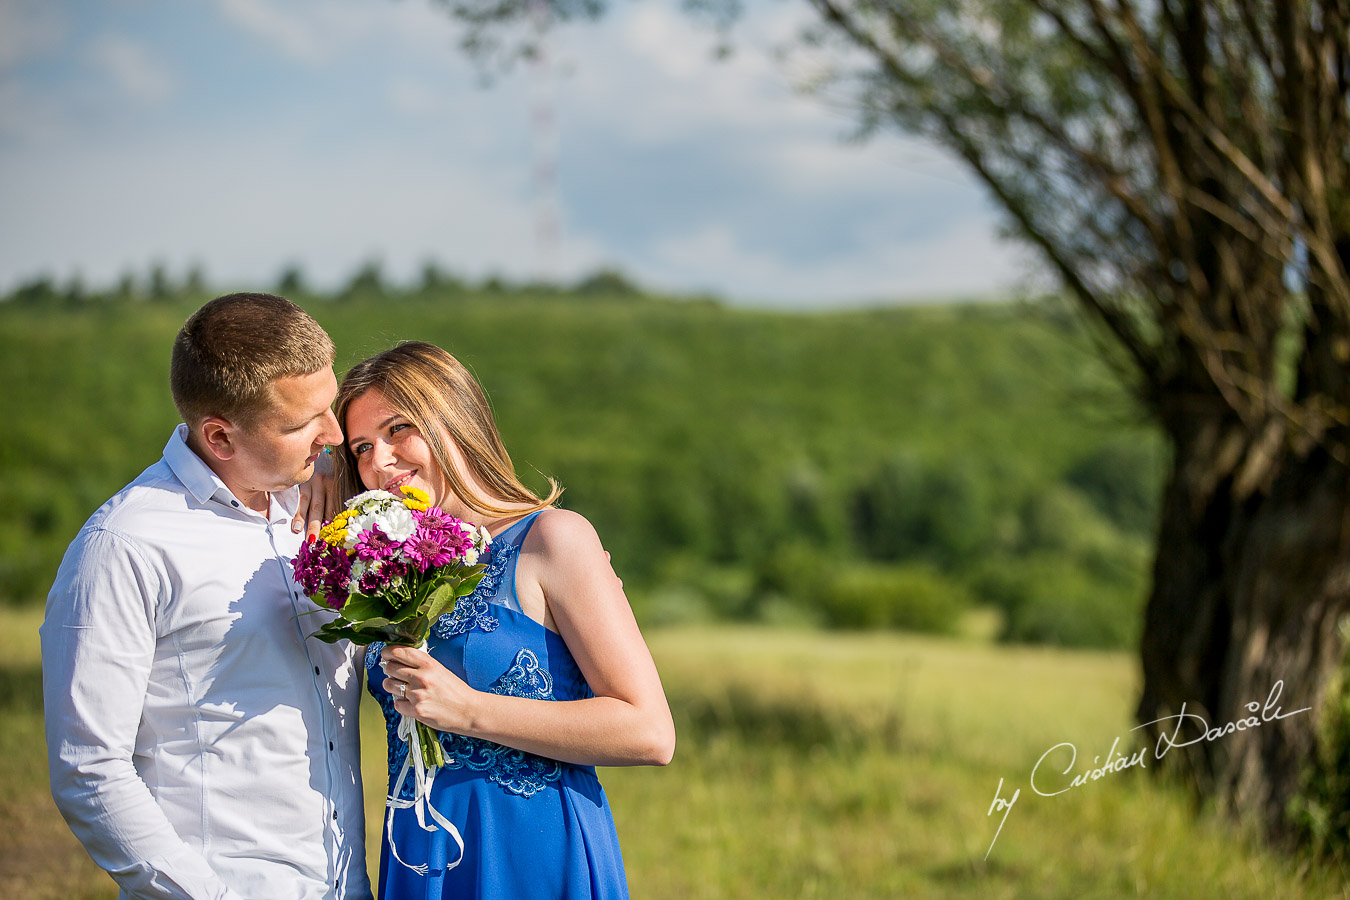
(332,432)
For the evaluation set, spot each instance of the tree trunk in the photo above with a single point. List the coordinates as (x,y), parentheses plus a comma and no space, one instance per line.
(1251,584)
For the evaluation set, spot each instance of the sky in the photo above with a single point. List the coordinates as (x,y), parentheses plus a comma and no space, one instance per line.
(245,136)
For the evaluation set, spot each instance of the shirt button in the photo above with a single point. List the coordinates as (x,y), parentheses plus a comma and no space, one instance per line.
(335,815)
(234,503)
(330,745)
(316,670)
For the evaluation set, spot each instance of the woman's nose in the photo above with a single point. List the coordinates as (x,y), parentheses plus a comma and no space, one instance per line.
(382,456)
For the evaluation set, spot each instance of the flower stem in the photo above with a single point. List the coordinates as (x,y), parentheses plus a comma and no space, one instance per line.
(432,755)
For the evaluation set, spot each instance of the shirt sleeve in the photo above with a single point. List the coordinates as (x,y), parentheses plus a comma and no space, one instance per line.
(98,643)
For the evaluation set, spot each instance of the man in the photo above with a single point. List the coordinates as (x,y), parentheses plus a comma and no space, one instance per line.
(200,746)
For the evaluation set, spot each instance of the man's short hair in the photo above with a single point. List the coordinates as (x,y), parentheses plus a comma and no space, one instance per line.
(230,351)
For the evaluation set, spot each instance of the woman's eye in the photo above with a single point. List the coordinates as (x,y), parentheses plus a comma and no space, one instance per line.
(395,429)
(360,448)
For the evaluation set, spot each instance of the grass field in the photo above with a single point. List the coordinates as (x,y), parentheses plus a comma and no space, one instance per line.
(815,765)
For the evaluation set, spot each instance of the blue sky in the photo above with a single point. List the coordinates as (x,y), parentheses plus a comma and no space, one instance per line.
(246,135)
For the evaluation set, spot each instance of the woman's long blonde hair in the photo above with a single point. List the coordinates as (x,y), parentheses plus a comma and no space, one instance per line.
(435,392)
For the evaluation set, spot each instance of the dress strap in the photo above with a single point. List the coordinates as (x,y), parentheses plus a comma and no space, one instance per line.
(516,531)
(507,588)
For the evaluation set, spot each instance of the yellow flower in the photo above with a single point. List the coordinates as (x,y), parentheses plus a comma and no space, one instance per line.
(416,494)
(417,498)
(333,536)
(335,532)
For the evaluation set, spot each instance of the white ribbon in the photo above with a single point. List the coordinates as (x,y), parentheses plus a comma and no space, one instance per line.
(423,778)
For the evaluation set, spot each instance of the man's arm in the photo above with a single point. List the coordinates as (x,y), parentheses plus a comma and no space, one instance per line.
(98,643)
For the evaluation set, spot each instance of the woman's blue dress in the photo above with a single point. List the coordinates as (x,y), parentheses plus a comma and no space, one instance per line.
(532,827)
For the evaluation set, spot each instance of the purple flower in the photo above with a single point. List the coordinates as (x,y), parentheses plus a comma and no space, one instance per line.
(373,545)
(428,548)
(322,570)
(435,519)
(373,580)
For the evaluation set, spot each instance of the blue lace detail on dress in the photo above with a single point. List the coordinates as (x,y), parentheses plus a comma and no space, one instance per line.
(373,654)
(501,554)
(514,770)
(471,611)
(467,615)
(525,678)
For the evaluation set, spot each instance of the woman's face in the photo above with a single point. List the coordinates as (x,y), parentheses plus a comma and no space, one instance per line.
(391,452)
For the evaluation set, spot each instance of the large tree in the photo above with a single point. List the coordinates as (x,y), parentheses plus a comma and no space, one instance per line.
(1181,165)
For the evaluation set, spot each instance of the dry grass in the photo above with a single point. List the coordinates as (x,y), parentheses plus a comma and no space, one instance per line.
(816,765)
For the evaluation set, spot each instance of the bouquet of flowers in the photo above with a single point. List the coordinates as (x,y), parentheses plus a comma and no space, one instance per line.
(390,566)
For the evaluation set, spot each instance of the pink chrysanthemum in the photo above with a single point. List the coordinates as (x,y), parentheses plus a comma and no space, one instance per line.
(435,547)
(373,545)
(435,519)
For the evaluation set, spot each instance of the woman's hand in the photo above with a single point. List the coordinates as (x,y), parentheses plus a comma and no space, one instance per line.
(319,500)
(434,695)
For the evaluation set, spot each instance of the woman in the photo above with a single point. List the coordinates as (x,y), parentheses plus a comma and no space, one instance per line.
(535,678)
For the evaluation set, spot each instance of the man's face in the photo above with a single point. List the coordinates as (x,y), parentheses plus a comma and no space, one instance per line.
(281,449)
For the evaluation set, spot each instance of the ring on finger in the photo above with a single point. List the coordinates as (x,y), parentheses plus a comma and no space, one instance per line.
(403,690)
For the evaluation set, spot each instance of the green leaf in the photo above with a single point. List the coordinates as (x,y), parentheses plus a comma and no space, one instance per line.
(375,624)
(334,632)
(359,608)
(442,600)
(410,608)
(409,632)
(469,582)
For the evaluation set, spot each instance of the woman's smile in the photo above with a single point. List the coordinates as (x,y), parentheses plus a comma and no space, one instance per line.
(398,481)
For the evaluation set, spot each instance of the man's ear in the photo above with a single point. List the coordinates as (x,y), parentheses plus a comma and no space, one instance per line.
(217,436)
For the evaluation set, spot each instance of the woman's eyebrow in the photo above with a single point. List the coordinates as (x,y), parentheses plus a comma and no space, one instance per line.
(356,439)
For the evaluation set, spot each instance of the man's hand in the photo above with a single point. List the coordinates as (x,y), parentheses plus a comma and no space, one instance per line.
(319,500)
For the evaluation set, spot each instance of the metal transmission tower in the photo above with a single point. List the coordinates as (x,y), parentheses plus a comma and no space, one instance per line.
(544,137)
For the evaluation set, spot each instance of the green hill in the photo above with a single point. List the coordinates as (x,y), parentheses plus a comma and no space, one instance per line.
(880,468)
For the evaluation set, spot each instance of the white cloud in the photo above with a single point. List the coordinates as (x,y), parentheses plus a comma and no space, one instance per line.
(264,206)
(132,68)
(282,28)
(656,67)
(822,163)
(648,76)
(966,260)
(315,32)
(448,175)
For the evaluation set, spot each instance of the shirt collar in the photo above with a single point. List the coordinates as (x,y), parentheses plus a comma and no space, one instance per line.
(204,484)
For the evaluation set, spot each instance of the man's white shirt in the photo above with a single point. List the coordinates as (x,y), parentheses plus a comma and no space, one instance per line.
(200,745)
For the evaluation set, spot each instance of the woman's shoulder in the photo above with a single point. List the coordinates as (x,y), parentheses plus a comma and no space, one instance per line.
(569,563)
(561,529)
(561,541)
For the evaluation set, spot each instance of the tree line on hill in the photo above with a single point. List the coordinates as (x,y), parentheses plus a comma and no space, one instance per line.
(708,519)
